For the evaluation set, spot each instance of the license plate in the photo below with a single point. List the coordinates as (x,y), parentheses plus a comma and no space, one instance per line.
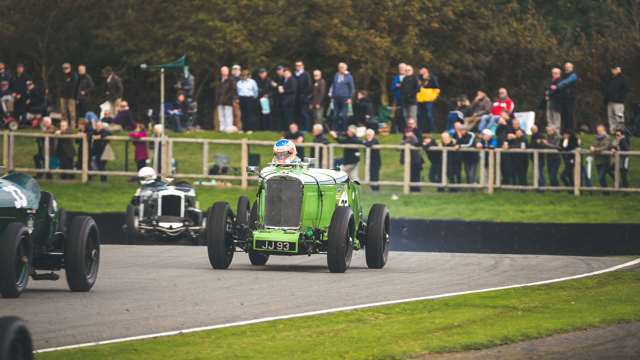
(268,245)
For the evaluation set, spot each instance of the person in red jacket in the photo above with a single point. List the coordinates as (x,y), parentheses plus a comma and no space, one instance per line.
(141,154)
(502,103)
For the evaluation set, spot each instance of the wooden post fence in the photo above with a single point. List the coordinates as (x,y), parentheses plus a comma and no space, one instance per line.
(491,171)
(244,162)
(85,159)
(407,168)
(577,166)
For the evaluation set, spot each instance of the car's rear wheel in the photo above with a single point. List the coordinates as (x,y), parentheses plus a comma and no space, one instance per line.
(82,254)
(219,233)
(340,246)
(257,259)
(15,339)
(15,260)
(131,222)
(377,242)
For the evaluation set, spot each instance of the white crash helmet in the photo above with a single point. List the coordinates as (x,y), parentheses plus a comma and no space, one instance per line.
(284,152)
(147,175)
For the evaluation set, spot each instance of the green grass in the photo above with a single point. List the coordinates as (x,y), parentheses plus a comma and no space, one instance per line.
(403,331)
(501,207)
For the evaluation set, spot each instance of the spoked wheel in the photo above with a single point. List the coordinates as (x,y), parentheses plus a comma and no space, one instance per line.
(15,260)
(377,245)
(15,339)
(82,254)
(219,233)
(340,247)
(257,259)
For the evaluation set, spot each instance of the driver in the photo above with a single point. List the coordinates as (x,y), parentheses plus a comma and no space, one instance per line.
(147,176)
(284,152)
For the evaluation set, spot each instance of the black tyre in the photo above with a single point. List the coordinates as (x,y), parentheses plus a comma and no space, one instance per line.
(377,242)
(15,260)
(257,259)
(82,253)
(340,247)
(131,225)
(61,226)
(15,339)
(244,213)
(219,233)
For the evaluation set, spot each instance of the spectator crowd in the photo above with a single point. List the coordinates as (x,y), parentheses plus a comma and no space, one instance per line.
(296,101)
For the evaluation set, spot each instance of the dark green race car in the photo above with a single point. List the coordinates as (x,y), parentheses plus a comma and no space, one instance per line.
(34,237)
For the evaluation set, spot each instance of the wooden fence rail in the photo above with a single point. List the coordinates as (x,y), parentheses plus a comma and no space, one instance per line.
(489,166)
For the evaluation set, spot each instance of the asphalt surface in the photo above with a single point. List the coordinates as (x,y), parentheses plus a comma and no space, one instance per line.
(151,289)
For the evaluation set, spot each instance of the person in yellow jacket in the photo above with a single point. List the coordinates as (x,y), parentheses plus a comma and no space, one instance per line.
(426,97)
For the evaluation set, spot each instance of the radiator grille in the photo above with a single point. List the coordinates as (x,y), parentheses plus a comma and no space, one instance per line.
(171,205)
(283,202)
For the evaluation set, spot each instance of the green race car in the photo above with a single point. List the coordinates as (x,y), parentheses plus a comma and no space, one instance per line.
(299,211)
(34,237)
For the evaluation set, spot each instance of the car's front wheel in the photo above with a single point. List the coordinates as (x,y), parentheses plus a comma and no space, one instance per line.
(15,260)
(219,234)
(340,246)
(82,254)
(15,339)
(257,259)
(377,242)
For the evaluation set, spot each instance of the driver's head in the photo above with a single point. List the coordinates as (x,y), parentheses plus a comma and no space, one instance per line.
(147,175)
(284,152)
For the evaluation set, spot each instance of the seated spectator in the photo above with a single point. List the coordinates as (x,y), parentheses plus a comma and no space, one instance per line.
(552,140)
(362,109)
(457,115)
(178,113)
(35,103)
(601,143)
(350,157)
(503,128)
(39,158)
(6,99)
(65,150)
(453,162)
(294,134)
(141,153)
(319,138)
(480,106)
(123,120)
(502,103)
(466,140)
(621,143)
(375,162)
(435,158)
(416,159)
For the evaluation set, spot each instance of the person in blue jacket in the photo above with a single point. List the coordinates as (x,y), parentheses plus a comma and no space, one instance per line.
(566,89)
(341,92)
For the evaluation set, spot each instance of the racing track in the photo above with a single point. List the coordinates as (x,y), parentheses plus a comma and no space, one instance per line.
(151,289)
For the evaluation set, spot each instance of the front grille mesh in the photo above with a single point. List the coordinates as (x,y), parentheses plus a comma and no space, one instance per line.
(283,202)
(171,205)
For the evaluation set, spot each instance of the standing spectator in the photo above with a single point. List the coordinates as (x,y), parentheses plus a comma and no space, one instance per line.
(427,95)
(236,72)
(435,158)
(100,144)
(518,163)
(341,92)
(68,94)
(396,82)
(553,141)
(615,94)
(408,90)
(350,157)
(317,97)
(621,143)
(480,107)
(65,150)
(113,92)
(85,86)
(374,162)
(186,84)
(225,95)
(552,100)
(415,158)
(35,101)
(248,97)
(265,95)
(319,138)
(141,153)
(363,110)
(537,143)
(124,119)
(178,113)
(297,137)
(277,113)
(39,158)
(601,143)
(19,89)
(5,75)
(566,89)
(85,129)
(453,162)
(466,140)
(305,89)
(288,94)
(502,103)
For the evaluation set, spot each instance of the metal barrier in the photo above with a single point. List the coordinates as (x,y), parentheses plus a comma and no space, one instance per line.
(488,173)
